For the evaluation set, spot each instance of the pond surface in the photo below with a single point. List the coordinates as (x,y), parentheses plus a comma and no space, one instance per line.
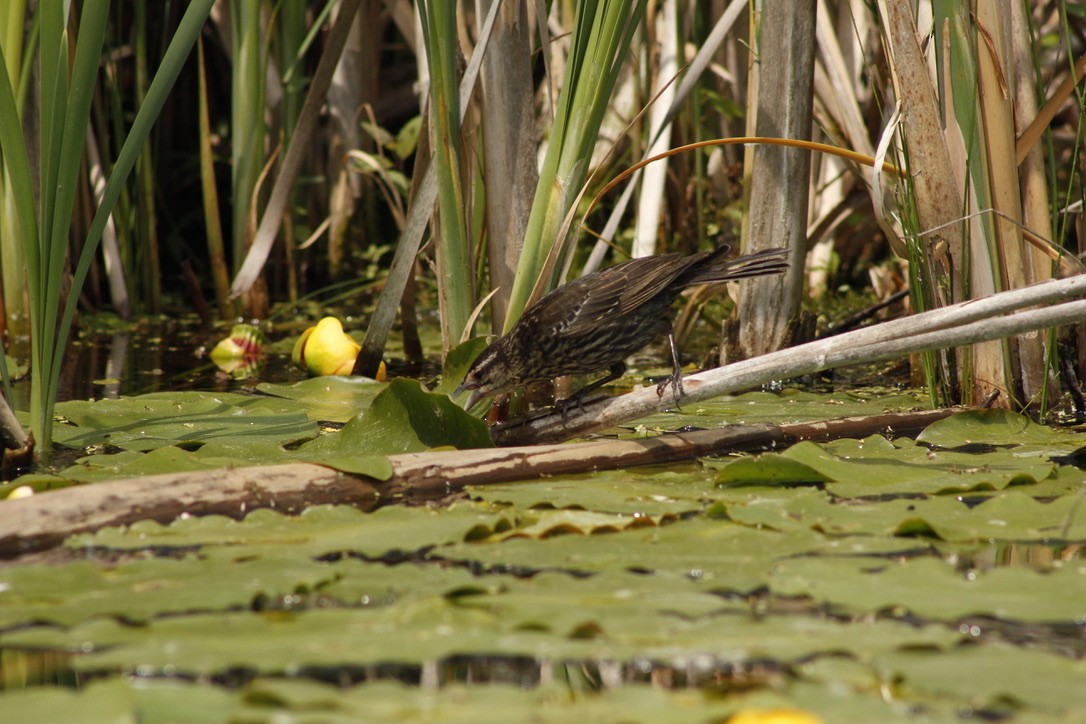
(882,579)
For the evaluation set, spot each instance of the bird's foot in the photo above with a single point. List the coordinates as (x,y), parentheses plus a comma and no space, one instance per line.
(563,405)
(676,382)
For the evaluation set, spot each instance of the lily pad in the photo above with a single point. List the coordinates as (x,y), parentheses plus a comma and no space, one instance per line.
(138,591)
(318,531)
(997,427)
(331,398)
(1013,515)
(1012,593)
(168,418)
(642,491)
(857,468)
(991,675)
(788,405)
(404,418)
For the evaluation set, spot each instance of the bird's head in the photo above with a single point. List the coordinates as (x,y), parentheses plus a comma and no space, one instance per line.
(488,375)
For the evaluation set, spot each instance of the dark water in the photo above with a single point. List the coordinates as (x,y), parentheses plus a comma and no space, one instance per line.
(153,356)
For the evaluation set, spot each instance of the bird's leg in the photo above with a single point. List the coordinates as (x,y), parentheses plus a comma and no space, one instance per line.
(676,378)
(617,370)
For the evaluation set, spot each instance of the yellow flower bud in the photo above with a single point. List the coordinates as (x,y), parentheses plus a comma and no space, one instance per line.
(326,349)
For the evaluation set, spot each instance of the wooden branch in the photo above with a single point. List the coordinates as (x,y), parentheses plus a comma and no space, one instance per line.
(44,520)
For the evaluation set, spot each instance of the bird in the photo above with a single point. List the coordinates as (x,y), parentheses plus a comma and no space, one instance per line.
(595,322)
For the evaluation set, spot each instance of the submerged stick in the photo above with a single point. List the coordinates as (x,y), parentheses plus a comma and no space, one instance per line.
(12,434)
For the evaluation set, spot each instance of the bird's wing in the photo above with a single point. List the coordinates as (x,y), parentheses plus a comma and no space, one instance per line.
(622,288)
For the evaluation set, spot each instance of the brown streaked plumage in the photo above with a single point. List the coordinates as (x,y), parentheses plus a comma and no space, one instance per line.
(594,323)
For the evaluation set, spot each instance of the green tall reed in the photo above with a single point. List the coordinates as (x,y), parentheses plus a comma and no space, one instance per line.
(453,240)
(16,309)
(66,87)
(602,33)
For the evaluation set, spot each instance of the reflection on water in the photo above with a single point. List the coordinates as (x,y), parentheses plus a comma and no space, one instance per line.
(1038,556)
(101,365)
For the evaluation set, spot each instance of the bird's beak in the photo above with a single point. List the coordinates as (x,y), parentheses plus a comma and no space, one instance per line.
(476,395)
(472,400)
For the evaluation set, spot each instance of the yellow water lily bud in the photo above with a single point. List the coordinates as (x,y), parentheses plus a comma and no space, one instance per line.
(297,355)
(326,349)
(239,354)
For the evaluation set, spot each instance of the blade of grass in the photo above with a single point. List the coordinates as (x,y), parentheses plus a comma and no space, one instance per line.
(279,197)
(216,248)
(455,298)
(172,62)
(407,246)
(601,36)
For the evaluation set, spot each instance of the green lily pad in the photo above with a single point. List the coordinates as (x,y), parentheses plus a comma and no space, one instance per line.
(788,405)
(121,700)
(319,530)
(1010,593)
(992,675)
(642,491)
(138,591)
(333,398)
(169,418)
(998,427)
(874,466)
(1013,515)
(404,418)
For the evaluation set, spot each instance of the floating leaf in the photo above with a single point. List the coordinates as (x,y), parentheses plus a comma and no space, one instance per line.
(168,418)
(856,468)
(642,491)
(788,405)
(991,675)
(404,418)
(1010,593)
(317,531)
(996,427)
(331,399)
(1012,515)
(138,591)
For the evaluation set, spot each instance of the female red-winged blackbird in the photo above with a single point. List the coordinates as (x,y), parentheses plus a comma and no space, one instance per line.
(597,321)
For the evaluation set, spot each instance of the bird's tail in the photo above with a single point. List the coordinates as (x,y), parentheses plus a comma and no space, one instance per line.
(715,268)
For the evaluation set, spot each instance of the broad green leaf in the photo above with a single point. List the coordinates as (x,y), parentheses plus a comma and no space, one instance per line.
(671,630)
(457,363)
(772,469)
(137,591)
(858,468)
(403,418)
(934,589)
(167,418)
(640,491)
(1012,515)
(319,530)
(997,427)
(990,674)
(330,399)
(717,553)
(788,405)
